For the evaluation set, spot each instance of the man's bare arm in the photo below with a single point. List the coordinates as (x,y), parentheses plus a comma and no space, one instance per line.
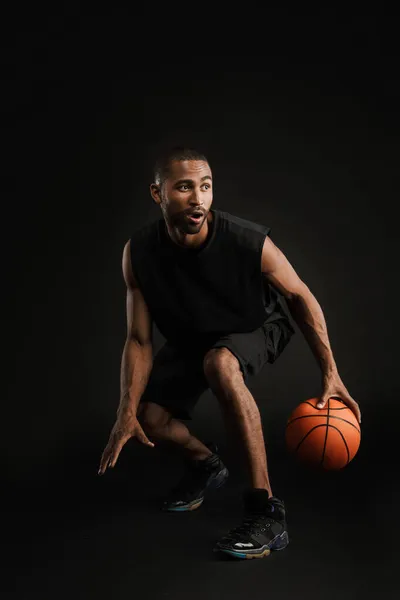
(308,315)
(136,365)
(302,304)
(137,356)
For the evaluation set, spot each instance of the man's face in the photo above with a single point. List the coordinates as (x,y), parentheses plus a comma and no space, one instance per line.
(188,189)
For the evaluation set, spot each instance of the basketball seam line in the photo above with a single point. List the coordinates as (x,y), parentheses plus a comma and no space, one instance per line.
(324,425)
(324,415)
(308,433)
(345,443)
(326,436)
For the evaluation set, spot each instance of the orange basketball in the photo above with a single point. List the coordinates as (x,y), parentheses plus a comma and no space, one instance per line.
(326,438)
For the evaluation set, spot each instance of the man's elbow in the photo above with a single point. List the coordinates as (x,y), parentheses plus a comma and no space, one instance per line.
(139,340)
(301,291)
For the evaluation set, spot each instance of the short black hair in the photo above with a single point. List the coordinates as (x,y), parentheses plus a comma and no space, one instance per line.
(161,168)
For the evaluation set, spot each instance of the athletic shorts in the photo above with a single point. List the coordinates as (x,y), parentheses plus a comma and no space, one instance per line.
(177,379)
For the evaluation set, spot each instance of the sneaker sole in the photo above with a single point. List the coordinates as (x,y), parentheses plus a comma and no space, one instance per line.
(214,484)
(278,543)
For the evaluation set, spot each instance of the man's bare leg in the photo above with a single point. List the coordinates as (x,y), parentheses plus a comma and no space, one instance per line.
(159,424)
(225,378)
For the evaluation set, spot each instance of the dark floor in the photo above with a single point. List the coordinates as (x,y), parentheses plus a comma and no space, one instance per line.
(104,537)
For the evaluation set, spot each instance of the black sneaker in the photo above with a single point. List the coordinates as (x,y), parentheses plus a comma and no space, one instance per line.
(201,475)
(263,528)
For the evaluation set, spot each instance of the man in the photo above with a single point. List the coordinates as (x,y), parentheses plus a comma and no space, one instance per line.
(212,282)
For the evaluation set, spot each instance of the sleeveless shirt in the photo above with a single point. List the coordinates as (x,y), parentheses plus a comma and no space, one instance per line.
(198,295)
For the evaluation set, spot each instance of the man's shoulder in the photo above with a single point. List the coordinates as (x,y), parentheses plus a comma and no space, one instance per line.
(240,224)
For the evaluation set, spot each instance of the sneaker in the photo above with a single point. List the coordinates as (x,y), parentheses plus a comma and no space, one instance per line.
(263,528)
(201,476)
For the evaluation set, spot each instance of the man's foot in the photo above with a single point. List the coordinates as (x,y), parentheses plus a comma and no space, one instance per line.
(201,476)
(263,528)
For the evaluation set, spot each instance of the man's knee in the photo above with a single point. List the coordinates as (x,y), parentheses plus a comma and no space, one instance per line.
(221,365)
(153,417)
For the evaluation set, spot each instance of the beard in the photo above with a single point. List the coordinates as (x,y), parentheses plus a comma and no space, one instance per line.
(182,223)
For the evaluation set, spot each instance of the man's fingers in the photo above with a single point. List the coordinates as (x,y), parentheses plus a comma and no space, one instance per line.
(141,436)
(352,404)
(114,458)
(114,447)
(322,401)
(357,411)
(117,449)
(108,452)
(104,460)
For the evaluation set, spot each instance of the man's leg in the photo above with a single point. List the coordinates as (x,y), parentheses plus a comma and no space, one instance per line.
(264,527)
(206,470)
(225,378)
(158,422)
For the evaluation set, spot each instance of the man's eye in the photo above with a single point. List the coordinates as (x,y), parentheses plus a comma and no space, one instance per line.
(183,186)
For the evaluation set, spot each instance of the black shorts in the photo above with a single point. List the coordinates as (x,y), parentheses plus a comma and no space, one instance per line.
(177,379)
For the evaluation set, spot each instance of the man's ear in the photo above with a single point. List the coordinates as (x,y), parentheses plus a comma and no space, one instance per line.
(155,192)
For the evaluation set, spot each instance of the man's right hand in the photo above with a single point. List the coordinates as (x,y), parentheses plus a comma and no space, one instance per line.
(126,427)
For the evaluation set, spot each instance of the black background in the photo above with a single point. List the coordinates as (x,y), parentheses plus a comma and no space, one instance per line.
(298,115)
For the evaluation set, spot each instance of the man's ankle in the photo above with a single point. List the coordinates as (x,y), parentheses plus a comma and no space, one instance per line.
(200,455)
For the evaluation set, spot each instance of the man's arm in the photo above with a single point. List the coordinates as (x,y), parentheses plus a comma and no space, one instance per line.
(136,365)
(308,315)
(302,304)
(137,356)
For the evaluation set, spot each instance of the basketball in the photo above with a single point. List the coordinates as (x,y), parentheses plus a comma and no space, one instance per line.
(326,438)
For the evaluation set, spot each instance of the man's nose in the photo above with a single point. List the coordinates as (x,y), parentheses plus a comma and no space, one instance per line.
(195,198)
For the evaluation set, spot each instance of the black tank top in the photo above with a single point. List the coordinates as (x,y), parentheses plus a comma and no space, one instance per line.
(197,295)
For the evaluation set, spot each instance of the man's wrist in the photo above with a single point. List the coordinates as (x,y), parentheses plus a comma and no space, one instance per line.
(127,406)
(330,372)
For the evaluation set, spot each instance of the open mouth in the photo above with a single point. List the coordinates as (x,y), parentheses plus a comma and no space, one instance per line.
(195,218)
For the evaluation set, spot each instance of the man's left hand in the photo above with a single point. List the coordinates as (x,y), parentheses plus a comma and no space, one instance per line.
(333,387)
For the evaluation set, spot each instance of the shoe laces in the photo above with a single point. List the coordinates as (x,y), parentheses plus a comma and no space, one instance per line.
(252,523)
